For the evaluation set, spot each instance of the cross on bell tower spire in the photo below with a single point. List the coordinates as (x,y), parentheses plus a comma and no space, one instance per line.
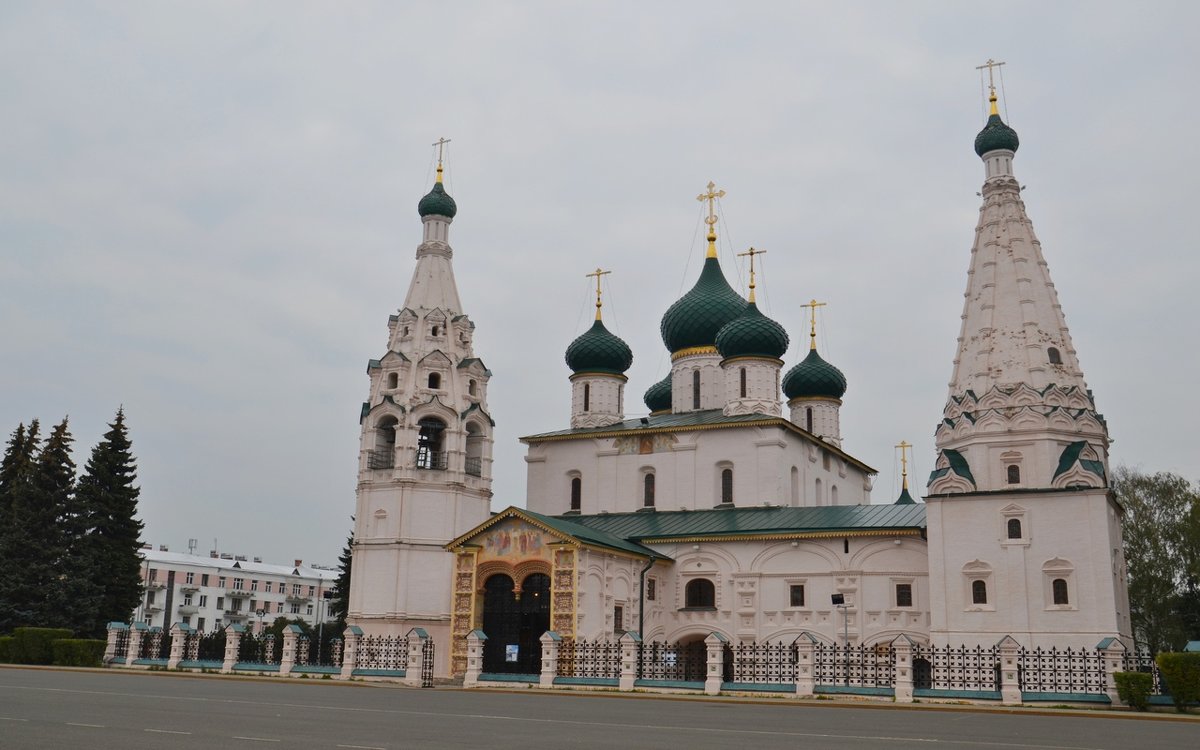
(440,143)
(711,195)
(751,252)
(991,66)
(904,446)
(597,273)
(812,305)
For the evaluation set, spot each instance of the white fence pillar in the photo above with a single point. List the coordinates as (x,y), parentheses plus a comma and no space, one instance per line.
(551,642)
(233,644)
(714,646)
(475,641)
(1010,665)
(805,681)
(1112,655)
(178,635)
(287,657)
(351,639)
(417,638)
(902,648)
(631,645)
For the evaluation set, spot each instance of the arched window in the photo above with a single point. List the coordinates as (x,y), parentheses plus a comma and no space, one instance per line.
(795,486)
(1014,474)
(1014,528)
(808,422)
(700,592)
(979,592)
(695,389)
(474,459)
(819,494)
(587,396)
(648,490)
(435,380)
(393,379)
(430,451)
(383,456)
(833,495)
(1059,589)
(471,387)
(743,377)
(576,493)
(434,331)
(727,486)
(1054,356)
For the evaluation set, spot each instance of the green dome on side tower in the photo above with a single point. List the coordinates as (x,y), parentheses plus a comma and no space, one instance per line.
(696,318)
(658,396)
(597,350)
(437,202)
(995,134)
(752,334)
(814,377)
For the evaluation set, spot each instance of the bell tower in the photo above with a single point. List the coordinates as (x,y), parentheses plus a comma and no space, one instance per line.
(425,451)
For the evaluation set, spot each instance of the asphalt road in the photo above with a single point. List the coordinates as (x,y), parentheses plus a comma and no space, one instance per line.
(62,709)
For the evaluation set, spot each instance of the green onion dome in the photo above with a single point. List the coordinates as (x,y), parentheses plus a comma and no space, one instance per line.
(658,396)
(752,334)
(995,136)
(697,316)
(597,350)
(814,377)
(437,203)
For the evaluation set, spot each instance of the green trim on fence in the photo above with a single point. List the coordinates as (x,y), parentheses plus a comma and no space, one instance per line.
(1066,697)
(607,681)
(498,677)
(150,662)
(678,684)
(760,687)
(852,690)
(245,667)
(982,695)
(379,673)
(317,669)
(201,664)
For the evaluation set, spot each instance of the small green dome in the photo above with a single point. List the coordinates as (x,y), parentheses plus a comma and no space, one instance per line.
(905,498)
(597,350)
(995,136)
(814,377)
(658,396)
(437,203)
(697,316)
(752,334)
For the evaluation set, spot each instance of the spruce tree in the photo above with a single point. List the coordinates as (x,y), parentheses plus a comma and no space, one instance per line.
(107,501)
(16,496)
(339,603)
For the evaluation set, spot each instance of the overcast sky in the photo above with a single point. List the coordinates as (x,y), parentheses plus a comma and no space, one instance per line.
(208,211)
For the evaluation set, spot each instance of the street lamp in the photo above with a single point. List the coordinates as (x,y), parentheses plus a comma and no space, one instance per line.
(839,601)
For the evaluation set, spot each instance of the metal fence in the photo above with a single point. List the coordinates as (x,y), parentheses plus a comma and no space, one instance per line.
(760,663)
(317,653)
(973,668)
(156,644)
(1143,661)
(261,648)
(854,666)
(382,652)
(687,662)
(1053,670)
(582,658)
(121,645)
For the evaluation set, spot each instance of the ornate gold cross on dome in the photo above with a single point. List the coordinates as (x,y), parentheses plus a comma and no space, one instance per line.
(441,143)
(597,273)
(991,65)
(751,252)
(813,305)
(711,220)
(904,445)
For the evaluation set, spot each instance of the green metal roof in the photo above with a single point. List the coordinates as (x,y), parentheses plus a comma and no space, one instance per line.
(813,376)
(752,334)
(697,316)
(599,350)
(743,521)
(571,527)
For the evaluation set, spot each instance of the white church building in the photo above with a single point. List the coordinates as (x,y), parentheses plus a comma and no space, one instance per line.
(734,507)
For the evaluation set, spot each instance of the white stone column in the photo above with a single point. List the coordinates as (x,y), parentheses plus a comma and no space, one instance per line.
(1010,686)
(805,645)
(136,634)
(475,641)
(178,635)
(715,651)
(550,645)
(416,652)
(902,648)
(287,659)
(1112,653)
(233,644)
(351,638)
(631,643)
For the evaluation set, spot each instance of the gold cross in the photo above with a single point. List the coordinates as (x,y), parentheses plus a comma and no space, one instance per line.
(441,142)
(597,273)
(813,305)
(751,252)
(711,220)
(991,65)
(904,445)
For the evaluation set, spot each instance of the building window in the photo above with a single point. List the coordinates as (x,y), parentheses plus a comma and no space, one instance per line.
(393,379)
(1054,356)
(267,586)
(651,589)
(204,579)
(295,589)
(186,620)
(1014,474)
(312,590)
(203,600)
(221,582)
(279,607)
(187,600)
(433,330)
(253,585)
(189,578)
(979,592)
(200,624)
(471,387)
(743,377)
(587,396)
(150,597)
(700,593)
(826,462)
(1014,528)
(308,610)
(695,389)
(296,609)
(435,381)
(220,602)
(1059,589)
(429,444)
(235,605)
(904,595)
(576,493)
(727,486)
(648,491)
(796,594)
(238,583)
(618,620)
(808,420)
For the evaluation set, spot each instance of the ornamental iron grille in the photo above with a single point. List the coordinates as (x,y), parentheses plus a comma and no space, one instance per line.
(261,648)
(121,648)
(1144,662)
(191,645)
(760,663)
(956,668)
(589,659)
(1054,670)
(155,645)
(383,652)
(427,663)
(687,662)
(310,653)
(854,666)
(514,621)
(381,459)
(210,646)
(474,466)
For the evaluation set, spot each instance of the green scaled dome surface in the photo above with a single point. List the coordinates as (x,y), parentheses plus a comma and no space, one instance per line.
(814,377)
(597,350)
(905,498)
(752,334)
(437,203)
(697,316)
(658,396)
(996,135)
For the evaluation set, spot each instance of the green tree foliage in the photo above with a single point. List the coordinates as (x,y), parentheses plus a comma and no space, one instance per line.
(1161,531)
(107,503)
(17,601)
(339,603)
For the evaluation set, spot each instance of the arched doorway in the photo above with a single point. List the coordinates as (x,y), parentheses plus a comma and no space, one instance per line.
(513,625)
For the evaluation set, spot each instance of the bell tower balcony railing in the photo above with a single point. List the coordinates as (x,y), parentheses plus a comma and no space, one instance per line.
(381,459)
(474,466)
(433,460)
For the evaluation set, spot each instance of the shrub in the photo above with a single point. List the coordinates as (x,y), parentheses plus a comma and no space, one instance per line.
(1181,673)
(1134,688)
(78,652)
(32,645)
(6,649)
